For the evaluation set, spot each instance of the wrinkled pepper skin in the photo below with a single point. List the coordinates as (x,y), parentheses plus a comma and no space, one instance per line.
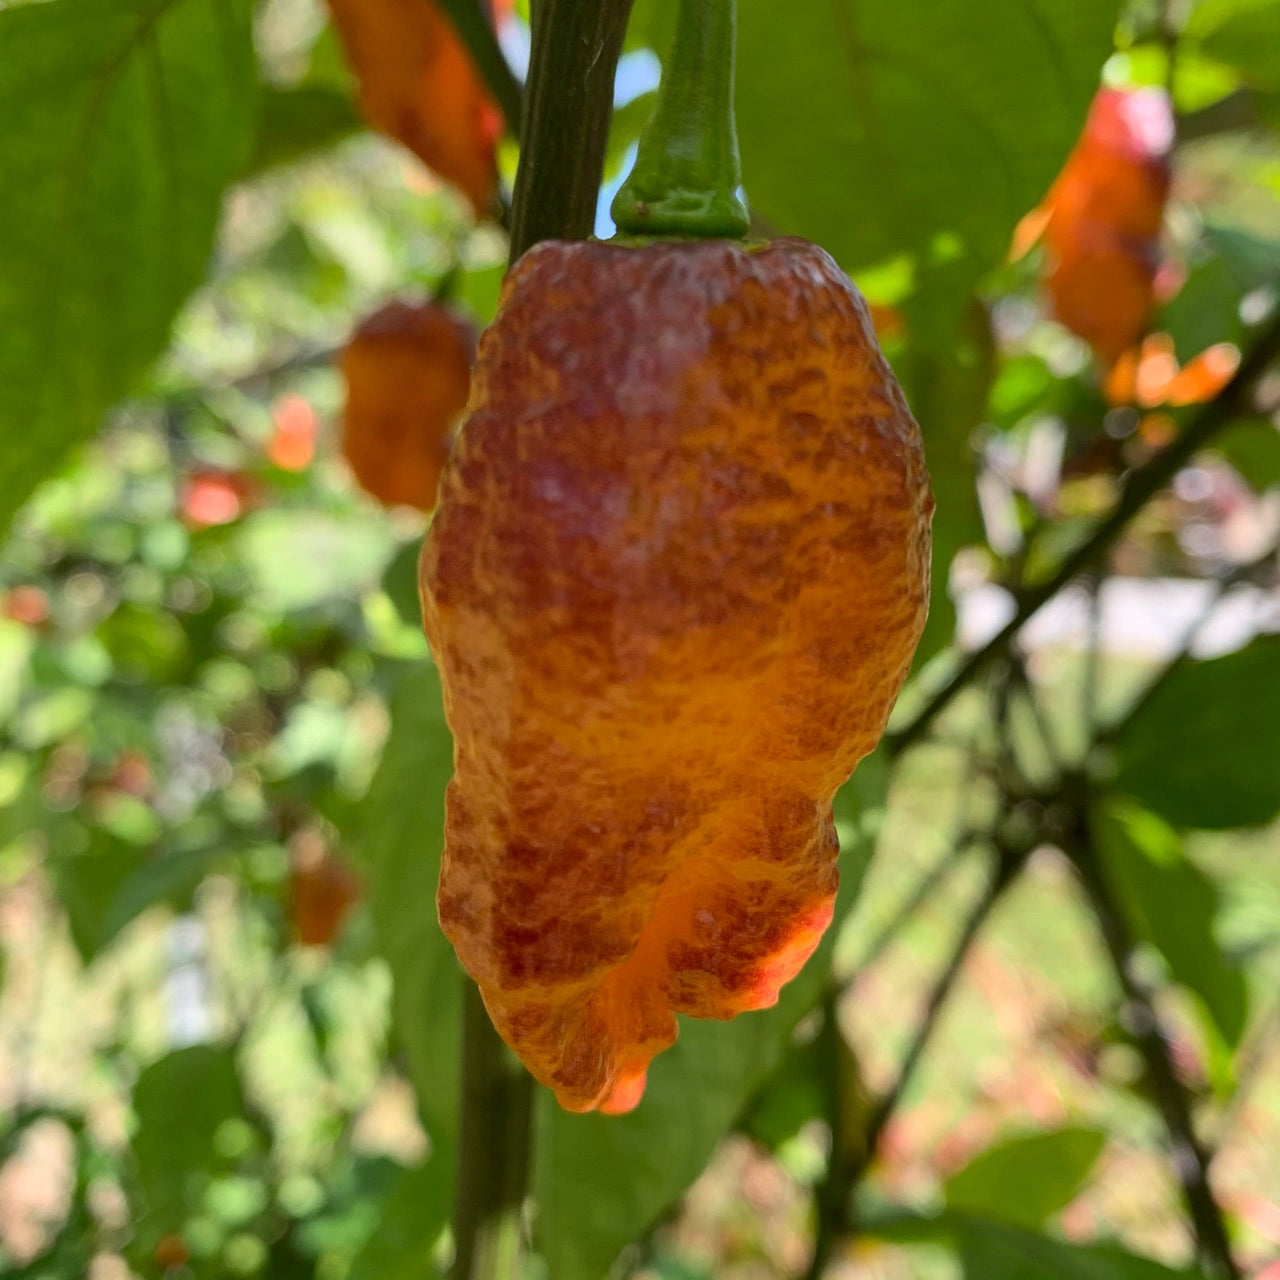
(418,85)
(408,373)
(1105,214)
(674,583)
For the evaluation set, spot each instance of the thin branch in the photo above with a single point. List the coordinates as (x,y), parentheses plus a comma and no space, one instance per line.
(1142,485)
(1242,573)
(1190,1157)
(568,105)
(847,1167)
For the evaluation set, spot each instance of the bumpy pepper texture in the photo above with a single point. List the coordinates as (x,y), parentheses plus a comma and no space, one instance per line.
(418,85)
(408,373)
(1104,217)
(674,583)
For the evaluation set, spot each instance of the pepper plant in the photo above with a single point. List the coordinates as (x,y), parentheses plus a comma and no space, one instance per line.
(1039,1037)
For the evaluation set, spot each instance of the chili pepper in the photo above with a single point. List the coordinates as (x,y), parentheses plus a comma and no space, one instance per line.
(673,585)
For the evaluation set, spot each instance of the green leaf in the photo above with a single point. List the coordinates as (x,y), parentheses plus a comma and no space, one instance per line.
(180,1102)
(601,1180)
(1226,263)
(992,1250)
(124,120)
(414,1213)
(105,888)
(910,128)
(1171,904)
(296,122)
(404,838)
(1028,1179)
(1241,34)
(1204,750)
(948,391)
(1253,448)
(300,559)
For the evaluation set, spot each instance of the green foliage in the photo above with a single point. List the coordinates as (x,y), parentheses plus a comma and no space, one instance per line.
(887,148)
(297,122)
(1173,906)
(181,1102)
(403,841)
(993,1250)
(124,120)
(1204,750)
(1028,1179)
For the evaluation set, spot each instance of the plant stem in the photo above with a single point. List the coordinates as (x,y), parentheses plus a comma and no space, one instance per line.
(845,1172)
(1142,485)
(1190,1158)
(687,173)
(568,101)
(566,123)
(493,1151)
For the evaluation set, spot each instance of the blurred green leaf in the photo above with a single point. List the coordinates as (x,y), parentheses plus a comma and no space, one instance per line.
(1253,448)
(601,1180)
(1226,264)
(1172,904)
(110,884)
(881,128)
(992,1250)
(1241,34)
(180,1101)
(296,122)
(404,838)
(1028,1179)
(414,1213)
(124,120)
(298,559)
(948,394)
(1204,750)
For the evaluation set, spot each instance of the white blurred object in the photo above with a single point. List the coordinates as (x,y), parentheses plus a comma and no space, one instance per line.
(186,987)
(1141,617)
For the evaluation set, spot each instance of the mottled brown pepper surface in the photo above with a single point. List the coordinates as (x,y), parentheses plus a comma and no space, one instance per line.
(674,582)
(408,374)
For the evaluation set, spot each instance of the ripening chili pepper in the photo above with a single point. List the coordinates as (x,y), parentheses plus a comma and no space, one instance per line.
(408,371)
(674,582)
(418,84)
(1103,218)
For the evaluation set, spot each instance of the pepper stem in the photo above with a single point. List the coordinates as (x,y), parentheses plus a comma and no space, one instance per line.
(687,173)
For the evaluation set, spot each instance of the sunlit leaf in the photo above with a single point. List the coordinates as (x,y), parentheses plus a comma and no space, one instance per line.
(1204,751)
(1028,1179)
(1172,905)
(124,120)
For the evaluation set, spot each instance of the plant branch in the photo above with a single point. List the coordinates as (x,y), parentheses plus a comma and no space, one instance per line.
(493,1151)
(1242,573)
(568,103)
(1190,1157)
(1142,485)
(846,1167)
(576,44)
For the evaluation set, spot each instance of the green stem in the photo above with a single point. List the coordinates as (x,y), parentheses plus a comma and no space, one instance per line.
(568,104)
(687,174)
(493,1151)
